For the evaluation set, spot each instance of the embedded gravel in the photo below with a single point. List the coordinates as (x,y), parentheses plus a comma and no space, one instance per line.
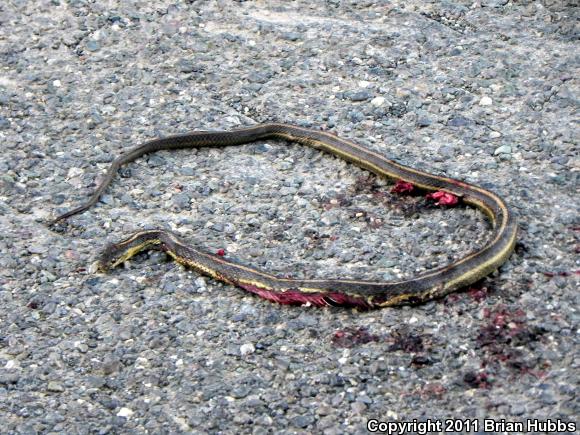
(484,91)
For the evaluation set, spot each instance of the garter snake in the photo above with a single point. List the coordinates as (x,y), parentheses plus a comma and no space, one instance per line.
(339,292)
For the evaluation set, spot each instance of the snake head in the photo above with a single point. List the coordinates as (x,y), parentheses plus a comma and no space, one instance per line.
(117,253)
(111,257)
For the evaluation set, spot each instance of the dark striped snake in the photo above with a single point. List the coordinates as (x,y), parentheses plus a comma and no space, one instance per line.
(338,292)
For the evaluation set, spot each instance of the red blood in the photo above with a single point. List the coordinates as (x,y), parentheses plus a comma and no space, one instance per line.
(402,187)
(443,198)
(549,274)
(296,297)
(221,252)
(562,273)
(352,337)
(478,294)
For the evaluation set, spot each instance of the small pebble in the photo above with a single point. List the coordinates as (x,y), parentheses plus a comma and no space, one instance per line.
(125,412)
(247,348)
(504,149)
(55,387)
(360,95)
(485,101)
(378,101)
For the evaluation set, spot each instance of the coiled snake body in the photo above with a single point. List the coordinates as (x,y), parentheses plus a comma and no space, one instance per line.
(345,292)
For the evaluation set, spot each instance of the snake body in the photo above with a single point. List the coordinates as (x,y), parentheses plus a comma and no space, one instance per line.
(343,292)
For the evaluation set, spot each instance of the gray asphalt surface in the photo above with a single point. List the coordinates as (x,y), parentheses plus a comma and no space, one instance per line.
(484,91)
